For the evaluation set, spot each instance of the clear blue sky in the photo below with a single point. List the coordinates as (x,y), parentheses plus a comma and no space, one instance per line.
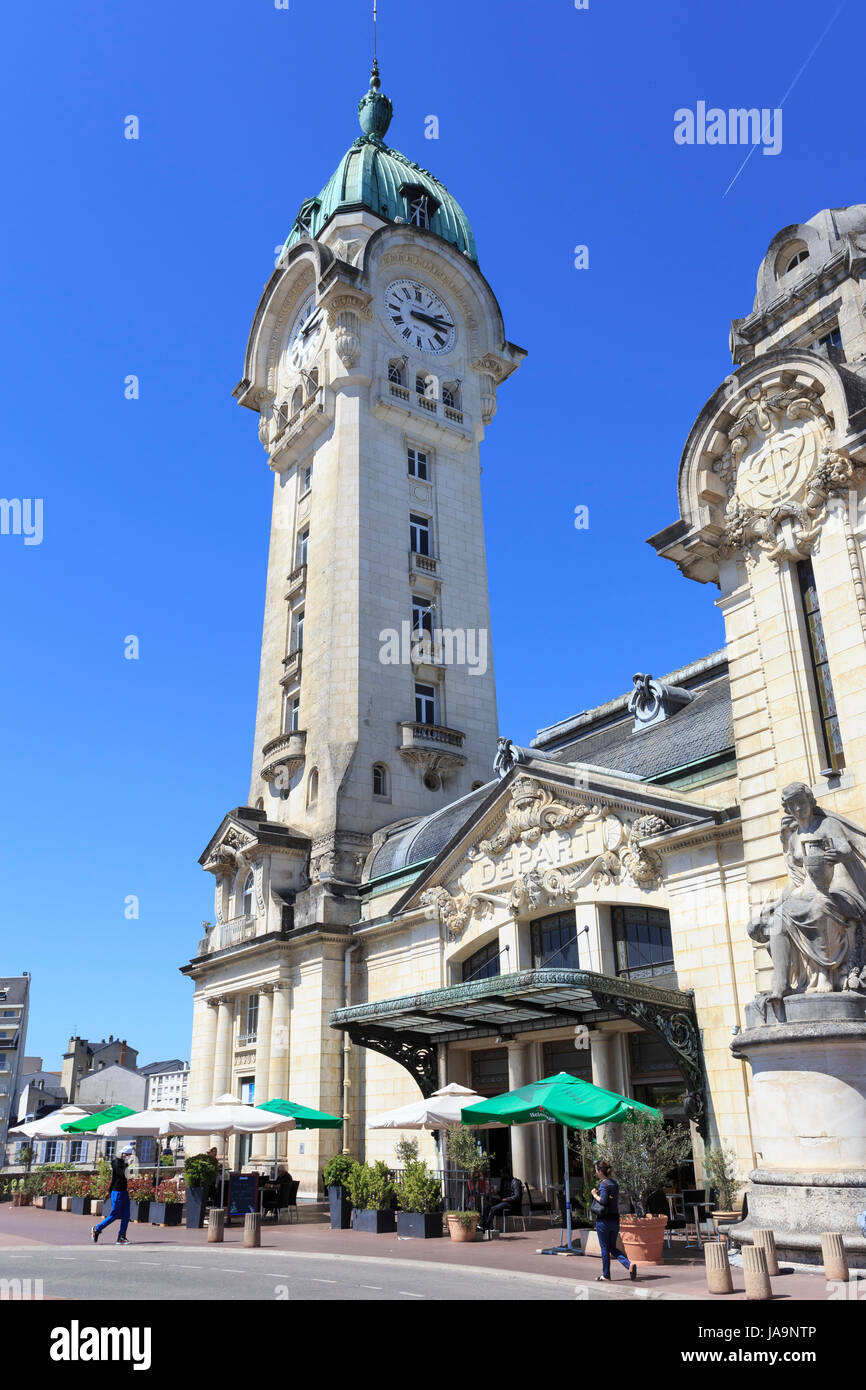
(148,257)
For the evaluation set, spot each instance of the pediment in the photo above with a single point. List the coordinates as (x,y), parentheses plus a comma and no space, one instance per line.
(544,839)
(243,836)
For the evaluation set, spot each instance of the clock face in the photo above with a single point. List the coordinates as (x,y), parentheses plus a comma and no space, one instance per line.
(306,336)
(419,318)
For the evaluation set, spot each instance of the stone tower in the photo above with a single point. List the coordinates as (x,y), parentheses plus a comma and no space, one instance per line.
(373,364)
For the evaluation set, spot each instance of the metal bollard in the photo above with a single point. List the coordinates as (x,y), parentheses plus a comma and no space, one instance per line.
(834,1257)
(252,1230)
(755,1272)
(765,1239)
(216,1223)
(719,1278)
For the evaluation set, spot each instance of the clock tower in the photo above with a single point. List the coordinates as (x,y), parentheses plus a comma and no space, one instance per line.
(373,365)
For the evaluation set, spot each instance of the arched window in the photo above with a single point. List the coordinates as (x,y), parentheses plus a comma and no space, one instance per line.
(797,259)
(380,780)
(260,804)
(313,787)
(248,898)
(395,371)
(297,400)
(451,395)
(312,382)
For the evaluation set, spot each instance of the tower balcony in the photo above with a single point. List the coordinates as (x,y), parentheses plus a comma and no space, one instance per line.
(297,581)
(428,419)
(283,755)
(292,435)
(425,565)
(231,933)
(291,668)
(432,747)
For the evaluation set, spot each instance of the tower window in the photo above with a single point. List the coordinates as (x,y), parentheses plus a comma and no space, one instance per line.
(425,704)
(832,339)
(419,210)
(313,788)
(293,713)
(419,534)
(425,385)
(303,546)
(247,899)
(312,379)
(830,733)
(380,780)
(797,259)
(422,616)
(395,371)
(306,479)
(451,395)
(418,466)
(298,630)
(297,400)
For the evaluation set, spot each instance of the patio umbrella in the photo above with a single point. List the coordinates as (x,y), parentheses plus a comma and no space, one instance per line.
(91,1124)
(442,1110)
(139,1124)
(51,1126)
(304,1117)
(562,1099)
(227,1115)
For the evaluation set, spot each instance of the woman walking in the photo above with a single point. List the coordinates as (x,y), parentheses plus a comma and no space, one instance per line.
(605,1209)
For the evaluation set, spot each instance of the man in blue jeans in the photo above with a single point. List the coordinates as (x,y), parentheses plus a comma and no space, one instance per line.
(119,1199)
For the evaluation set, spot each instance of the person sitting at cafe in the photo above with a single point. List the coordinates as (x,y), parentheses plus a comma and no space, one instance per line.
(510,1201)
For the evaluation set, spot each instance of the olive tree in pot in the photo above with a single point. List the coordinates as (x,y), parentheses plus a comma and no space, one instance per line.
(335,1176)
(720,1166)
(420,1195)
(199,1172)
(372,1192)
(465,1152)
(641,1156)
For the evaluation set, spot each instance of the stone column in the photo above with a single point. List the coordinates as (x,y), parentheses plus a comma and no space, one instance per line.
(603,1069)
(221,1072)
(263,1045)
(521,1150)
(278,1071)
(204,1045)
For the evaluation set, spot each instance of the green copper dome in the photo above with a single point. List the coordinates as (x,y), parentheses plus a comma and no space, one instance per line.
(371,175)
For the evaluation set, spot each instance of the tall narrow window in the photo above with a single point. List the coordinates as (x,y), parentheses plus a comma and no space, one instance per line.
(293,714)
(380,779)
(306,479)
(419,210)
(395,371)
(252,1018)
(830,732)
(425,704)
(303,547)
(422,616)
(247,900)
(419,534)
(418,464)
(298,631)
(313,787)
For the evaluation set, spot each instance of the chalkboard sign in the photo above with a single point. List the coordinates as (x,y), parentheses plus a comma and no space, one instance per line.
(243,1193)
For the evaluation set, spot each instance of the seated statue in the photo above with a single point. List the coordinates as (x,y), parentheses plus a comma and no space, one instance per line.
(814,930)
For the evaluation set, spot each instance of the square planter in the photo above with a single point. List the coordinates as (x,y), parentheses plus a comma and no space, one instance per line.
(52,1202)
(378,1222)
(166,1213)
(195,1204)
(66,1203)
(39,1201)
(341,1209)
(138,1211)
(425,1225)
(79,1205)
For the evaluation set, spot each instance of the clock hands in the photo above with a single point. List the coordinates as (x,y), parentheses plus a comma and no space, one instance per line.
(437,322)
(314,322)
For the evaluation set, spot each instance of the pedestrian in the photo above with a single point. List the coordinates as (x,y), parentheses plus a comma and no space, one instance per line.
(119,1198)
(510,1200)
(605,1209)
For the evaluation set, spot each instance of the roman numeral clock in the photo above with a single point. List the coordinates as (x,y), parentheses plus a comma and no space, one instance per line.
(419,318)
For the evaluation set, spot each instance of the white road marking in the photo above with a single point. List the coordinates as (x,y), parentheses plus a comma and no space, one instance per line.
(406,1294)
(377,1287)
(323,1281)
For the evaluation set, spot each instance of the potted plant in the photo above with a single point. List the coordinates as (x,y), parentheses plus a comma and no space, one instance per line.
(79,1195)
(467,1155)
(140,1194)
(199,1172)
(167,1209)
(335,1177)
(462,1225)
(420,1196)
(52,1191)
(720,1166)
(641,1156)
(371,1192)
(20,1195)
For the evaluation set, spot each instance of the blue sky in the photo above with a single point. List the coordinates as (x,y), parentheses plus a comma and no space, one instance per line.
(147,257)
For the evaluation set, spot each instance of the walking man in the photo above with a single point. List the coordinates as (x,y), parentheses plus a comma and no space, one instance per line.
(119,1199)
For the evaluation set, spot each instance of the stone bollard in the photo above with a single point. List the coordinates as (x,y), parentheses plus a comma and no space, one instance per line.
(757,1279)
(252,1230)
(216,1223)
(834,1257)
(766,1241)
(719,1279)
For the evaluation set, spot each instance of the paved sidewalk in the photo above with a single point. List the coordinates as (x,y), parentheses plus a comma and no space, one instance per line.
(681,1276)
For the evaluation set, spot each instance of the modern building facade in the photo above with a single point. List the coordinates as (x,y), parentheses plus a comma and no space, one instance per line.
(387,914)
(167,1083)
(14,1013)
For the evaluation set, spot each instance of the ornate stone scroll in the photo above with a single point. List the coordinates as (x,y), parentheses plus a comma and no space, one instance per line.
(532,810)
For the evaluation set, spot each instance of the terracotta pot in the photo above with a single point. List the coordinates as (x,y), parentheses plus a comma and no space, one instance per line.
(643,1238)
(457,1231)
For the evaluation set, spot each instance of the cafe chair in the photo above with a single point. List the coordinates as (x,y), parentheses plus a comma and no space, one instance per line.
(536,1205)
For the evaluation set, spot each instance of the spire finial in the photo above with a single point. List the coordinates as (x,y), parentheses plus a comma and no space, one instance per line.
(374,109)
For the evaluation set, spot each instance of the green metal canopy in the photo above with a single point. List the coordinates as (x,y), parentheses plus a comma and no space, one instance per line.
(563,1099)
(91,1124)
(304,1117)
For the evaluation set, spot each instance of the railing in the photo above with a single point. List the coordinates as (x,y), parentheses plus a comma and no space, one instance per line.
(297,580)
(247,1039)
(452,413)
(426,563)
(238,929)
(292,665)
(432,733)
(427,403)
(401,392)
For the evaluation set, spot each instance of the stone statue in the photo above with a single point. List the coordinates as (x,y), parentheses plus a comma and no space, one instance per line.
(814,930)
(507,757)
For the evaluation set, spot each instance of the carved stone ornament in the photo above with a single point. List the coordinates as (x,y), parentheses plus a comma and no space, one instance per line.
(347,337)
(507,757)
(454,912)
(780,469)
(531,810)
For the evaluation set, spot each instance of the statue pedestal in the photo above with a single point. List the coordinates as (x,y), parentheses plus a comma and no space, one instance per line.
(809,1123)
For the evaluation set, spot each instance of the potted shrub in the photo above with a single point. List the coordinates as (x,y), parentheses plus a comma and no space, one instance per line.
(199,1172)
(20,1195)
(140,1194)
(462,1224)
(420,1196)
(641,1156)
(720,1166)
(100,1183)
(335,1178)
(371,1192)
(465,1152)
(167,1209)
(79,1195)
(52,1191)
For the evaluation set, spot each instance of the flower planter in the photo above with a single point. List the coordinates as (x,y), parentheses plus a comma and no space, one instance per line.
(195,1204)
(22,1199)
(166,1213)
(341,1209)
(643,1238)
(79,1205)
(377,1222)
(52,1202)
(138,1211)
(425,1225)
(456,1229)
(39,1201)
(66,1203)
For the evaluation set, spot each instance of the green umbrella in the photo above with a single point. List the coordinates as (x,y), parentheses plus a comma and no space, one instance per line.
(303,1116)
(562,1099)
(91,1124)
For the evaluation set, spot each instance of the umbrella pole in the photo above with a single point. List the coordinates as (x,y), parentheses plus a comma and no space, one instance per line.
(568,1248)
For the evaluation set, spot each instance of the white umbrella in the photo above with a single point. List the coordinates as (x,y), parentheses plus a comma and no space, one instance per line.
(439,1111)
(144,1124)
(227,1115)
(49,1127)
